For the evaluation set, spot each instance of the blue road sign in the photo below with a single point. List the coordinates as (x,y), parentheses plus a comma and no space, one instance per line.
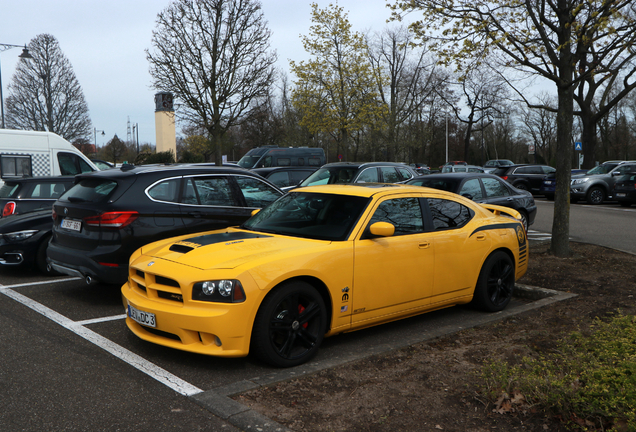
(578,146)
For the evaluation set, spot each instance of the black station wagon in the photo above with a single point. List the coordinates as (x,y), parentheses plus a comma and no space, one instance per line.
(109,214)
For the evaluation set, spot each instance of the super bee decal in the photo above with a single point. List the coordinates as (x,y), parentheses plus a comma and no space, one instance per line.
(520,233)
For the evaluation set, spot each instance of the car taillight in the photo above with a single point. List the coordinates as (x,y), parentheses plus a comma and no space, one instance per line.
(504,177)
(112,219)
(8,209)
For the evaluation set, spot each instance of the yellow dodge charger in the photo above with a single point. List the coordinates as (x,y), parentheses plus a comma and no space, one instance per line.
(320,261)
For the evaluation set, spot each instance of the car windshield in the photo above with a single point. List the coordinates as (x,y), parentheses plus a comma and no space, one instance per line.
(331,175)
(310,215)
(602,169)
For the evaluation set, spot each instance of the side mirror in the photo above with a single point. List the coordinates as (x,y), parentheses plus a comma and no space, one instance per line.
(255,211)
(382,229)
(467,195)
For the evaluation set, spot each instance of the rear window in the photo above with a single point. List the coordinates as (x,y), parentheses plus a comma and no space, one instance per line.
(9,190)
(90,190)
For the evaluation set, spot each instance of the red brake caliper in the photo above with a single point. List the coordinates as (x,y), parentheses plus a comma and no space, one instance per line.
(301,308)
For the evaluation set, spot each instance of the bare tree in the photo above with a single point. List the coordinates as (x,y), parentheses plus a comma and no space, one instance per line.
(213,55)
(45,95)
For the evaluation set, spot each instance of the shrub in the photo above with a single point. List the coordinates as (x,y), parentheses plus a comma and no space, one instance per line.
(587,379)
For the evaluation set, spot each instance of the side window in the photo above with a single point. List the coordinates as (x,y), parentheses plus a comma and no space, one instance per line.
(84,167)
(495,188)
(473,188)
(448,214)
(283,162)
(68,163)
(369,175)
(298,176)
(166,190)
(404,214)
(460,169)
(404,173)
(257,194)
(265,162)
(280,179)
(523,170)
(16,166)
(390,175)
(548,170)
(314,161)
(214,191)
(190,195)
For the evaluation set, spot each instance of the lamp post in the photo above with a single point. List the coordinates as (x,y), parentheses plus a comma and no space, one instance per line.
(95,135)
(25,55)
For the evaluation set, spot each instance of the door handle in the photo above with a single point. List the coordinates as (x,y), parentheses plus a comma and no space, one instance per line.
(481,237)
(424,245)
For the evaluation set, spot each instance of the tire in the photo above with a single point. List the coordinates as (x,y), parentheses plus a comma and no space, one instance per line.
(522,186)
(290,325)
(625,203)
(40,257)
(495,284)
(595,196)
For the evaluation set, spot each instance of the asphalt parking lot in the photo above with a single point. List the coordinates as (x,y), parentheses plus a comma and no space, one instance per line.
(70,363)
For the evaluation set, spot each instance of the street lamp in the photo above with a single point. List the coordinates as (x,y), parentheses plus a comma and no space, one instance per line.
(25,55)
(95,135)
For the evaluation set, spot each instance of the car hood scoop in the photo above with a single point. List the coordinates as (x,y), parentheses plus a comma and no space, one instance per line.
(206,240)
(228,249)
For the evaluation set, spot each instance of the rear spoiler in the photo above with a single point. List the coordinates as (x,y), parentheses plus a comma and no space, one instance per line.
(498,210)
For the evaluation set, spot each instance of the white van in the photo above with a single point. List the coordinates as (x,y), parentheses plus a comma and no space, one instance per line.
(31,154)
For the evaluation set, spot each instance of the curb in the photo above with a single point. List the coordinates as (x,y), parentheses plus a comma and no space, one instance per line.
(219,402)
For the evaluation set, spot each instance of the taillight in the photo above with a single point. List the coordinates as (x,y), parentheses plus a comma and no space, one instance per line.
(504,177)
(8,209)
(112,219)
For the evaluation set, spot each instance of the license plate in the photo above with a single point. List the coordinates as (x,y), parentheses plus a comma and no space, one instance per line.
(143,318)
(620,194)
(72,224)
(548,182)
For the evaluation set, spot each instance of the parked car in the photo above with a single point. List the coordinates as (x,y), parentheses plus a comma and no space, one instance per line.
(484,189)
(26,194)
(364,172)
(420,168)
(597,185)
(269,156)
(109,214)
(549,183)
(462,168)
(287,277)
(490,166)
(24,239)
(625,189)
(525,177)
(285,177)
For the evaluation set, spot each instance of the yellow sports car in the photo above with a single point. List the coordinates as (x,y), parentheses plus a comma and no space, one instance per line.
(320,261)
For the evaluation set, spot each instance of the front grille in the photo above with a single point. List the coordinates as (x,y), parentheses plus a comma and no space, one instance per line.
(170,296)
(162,333)
(167,281)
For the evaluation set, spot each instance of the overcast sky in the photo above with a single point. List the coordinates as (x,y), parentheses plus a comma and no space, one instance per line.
(105,43)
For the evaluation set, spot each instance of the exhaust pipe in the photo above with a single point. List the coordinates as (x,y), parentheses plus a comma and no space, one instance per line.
(89,280)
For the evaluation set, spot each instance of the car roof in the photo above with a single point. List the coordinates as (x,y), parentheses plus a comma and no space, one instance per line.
(455,176)
(363,164)
(40,179)
(366,190)
(130,170)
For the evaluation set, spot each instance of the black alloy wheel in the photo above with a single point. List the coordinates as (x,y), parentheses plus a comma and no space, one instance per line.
(595,196)
(496,283)
(522,186)
(290,325)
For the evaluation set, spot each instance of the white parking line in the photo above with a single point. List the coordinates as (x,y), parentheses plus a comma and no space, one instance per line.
(138,362)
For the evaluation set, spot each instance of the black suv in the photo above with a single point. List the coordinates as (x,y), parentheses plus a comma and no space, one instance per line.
(284,177)
(368,172)
(26,194)
(525,177)
(109,214)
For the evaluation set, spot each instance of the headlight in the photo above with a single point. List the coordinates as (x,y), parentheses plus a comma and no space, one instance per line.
(579,181)
(220,291)
(19,235)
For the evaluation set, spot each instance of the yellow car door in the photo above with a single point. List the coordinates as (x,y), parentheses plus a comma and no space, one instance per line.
(392,275)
